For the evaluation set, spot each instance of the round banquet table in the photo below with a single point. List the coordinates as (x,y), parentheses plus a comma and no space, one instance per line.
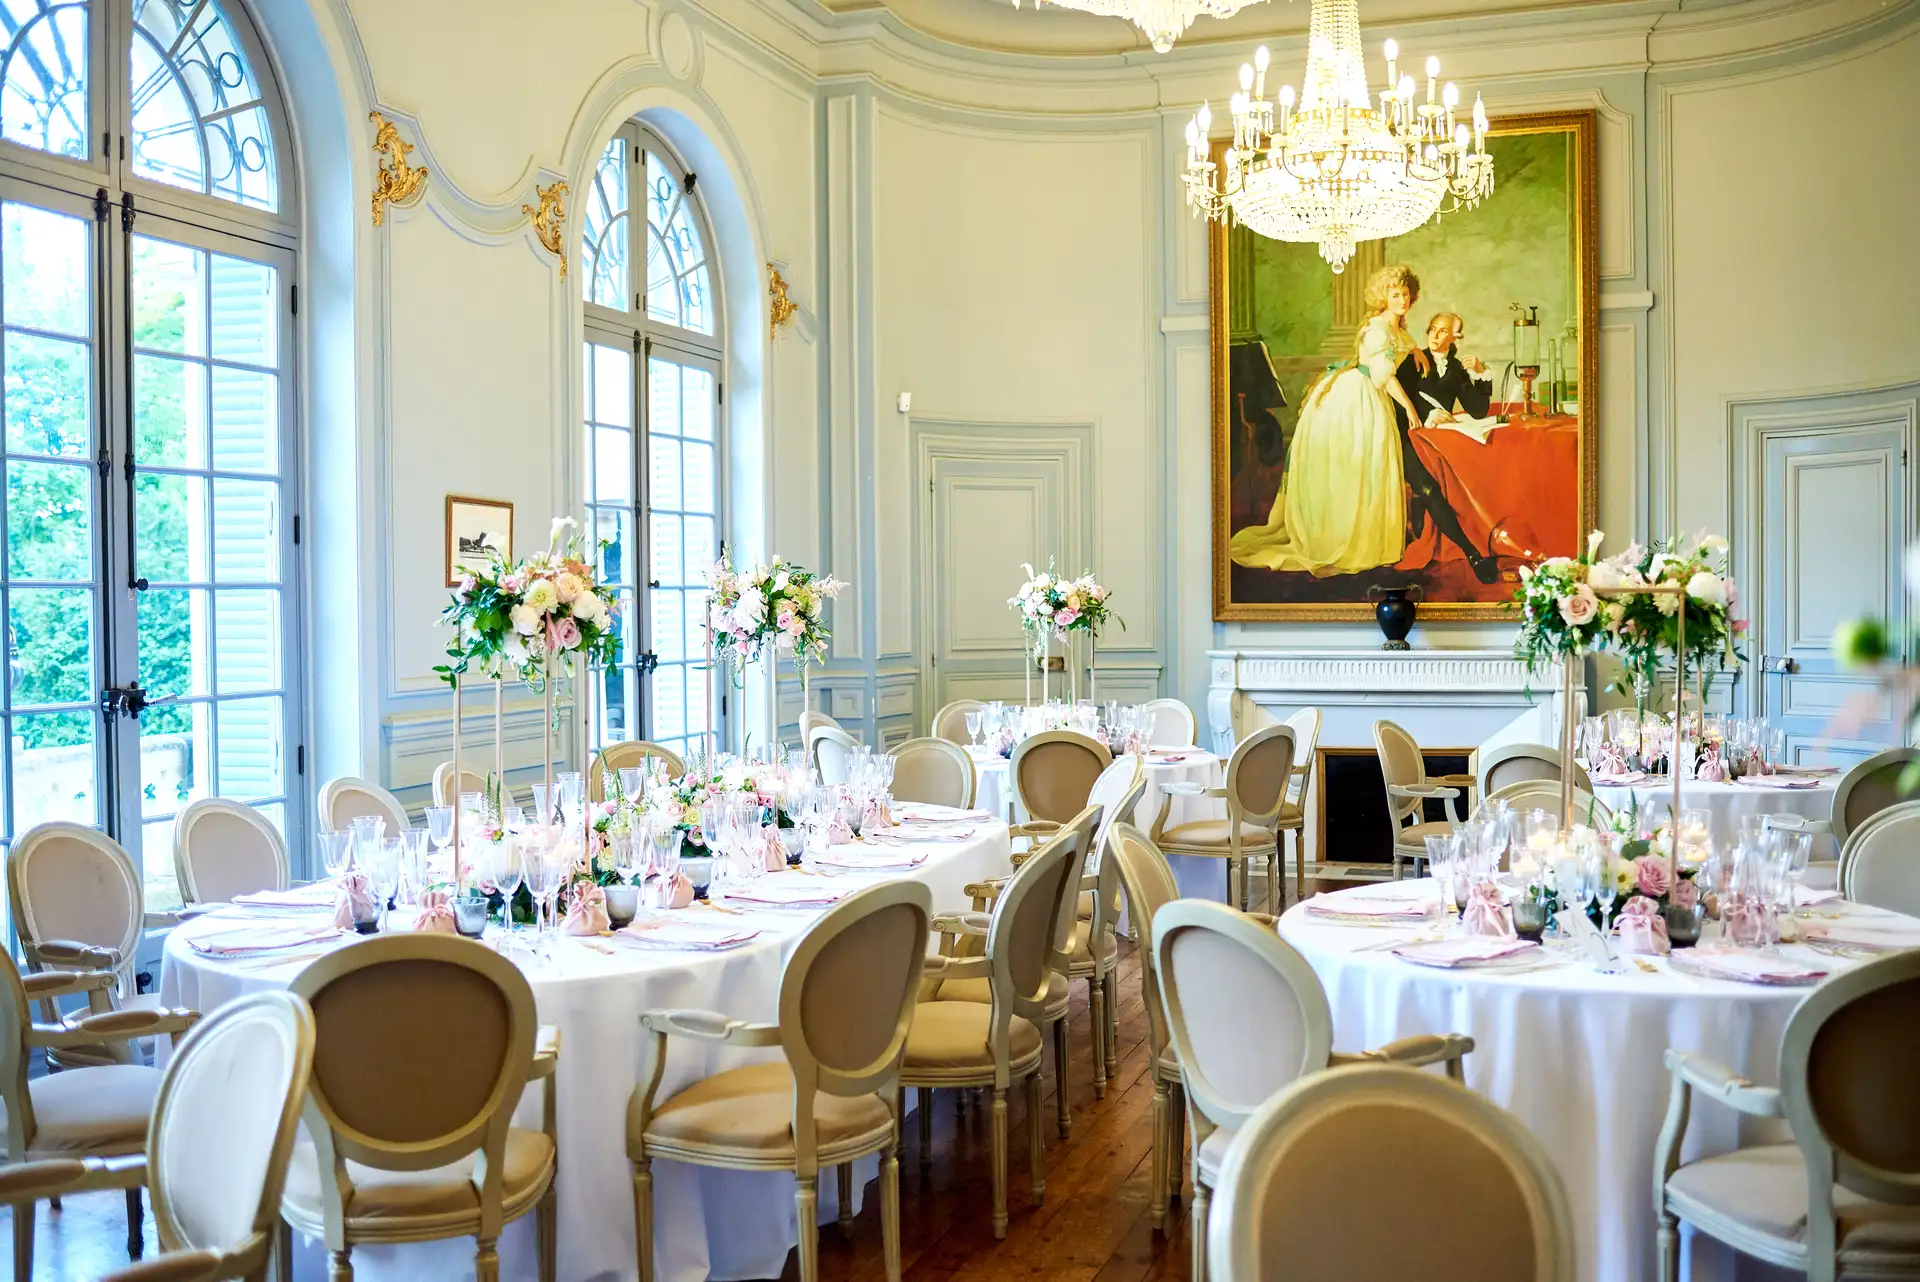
(708,1223)
(1578,1056)
(1729,803)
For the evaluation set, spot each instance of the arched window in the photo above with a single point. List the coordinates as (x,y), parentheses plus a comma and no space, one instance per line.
(147,270)
(653,448)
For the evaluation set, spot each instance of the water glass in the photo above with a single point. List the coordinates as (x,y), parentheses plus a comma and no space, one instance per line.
(632,782)
(368,831)
(335,851)
(413,863)
(974,719)
(384,876)
(505,868)
(1440,859)
(440,826)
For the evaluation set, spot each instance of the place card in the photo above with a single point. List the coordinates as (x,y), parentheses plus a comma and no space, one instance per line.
(1587,937)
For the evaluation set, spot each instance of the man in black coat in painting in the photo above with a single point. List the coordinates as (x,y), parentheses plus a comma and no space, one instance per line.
(1445,386)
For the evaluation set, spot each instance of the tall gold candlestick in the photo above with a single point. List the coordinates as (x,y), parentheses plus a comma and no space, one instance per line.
(456,784)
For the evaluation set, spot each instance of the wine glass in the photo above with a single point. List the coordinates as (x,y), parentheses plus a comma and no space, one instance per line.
(975,717)
(368,831)
(1606,886)
(571,787)
(1440,852)
(506,869)
(1797,849)
(335,854)
(384,876)
(440,826)
(632,781)
(542,805)
(413,863)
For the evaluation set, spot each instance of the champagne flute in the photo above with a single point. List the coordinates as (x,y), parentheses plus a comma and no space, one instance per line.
(506,868)
(335,854)
(974,718)
(414,863)
(385,877)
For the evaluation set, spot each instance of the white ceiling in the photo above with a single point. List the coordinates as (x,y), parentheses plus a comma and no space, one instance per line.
(1036,28)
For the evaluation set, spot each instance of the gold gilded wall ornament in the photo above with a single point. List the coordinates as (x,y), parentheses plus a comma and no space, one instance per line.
(550,221)
(398,182)
(780,308)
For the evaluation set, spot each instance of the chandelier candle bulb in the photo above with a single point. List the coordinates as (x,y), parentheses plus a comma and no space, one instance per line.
(1433,74)
(1261,61)
(1393,58)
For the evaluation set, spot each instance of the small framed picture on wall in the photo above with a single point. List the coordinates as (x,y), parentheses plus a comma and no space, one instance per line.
(475,529)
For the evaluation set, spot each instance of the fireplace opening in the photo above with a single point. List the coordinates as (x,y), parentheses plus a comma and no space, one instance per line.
(1354,823)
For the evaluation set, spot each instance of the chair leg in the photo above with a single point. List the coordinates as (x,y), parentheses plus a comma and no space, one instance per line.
(890,1215)
(643,1216)
(844,1175)
(546,1220)
(1097,1023)
(999,1159)
(1176,1144)
(1399,866)
(1157,1186)
(340,1266)
(1113,1025)
(1299,865)
(1036,1143)
(283,1252)
(1061,1106)
(1667,1240)
(806,1209)
(1202,1199)
(23,1215)
(925,1113)
(136,1242)
(486,1260)
(899,1121)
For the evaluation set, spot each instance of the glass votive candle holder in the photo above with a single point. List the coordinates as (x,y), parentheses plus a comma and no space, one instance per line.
(470,914)
(1684,924)
(1530,917)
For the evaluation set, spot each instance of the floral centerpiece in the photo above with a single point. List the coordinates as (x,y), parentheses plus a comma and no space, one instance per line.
(522,618)
(1052,605)
(777,604)
(1643,626)
(1561,616)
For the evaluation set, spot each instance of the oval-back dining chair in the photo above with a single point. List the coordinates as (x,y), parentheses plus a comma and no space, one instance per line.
(1881,863)
(933,770)
(625,754)
(950,723)
(345,799)
(1170,724)
(831,750)
(222,848)
(446,792)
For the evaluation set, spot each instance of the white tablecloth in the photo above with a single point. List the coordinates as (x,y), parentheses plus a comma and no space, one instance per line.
(1730,803)
(1578,1056)
(708,1223)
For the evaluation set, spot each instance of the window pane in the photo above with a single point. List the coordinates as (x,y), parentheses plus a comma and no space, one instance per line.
(169,297)
(176,745)
(246,420)
(611,528)
(250,739)
(699,492)
(246,531)
(50,645)
(700,547)
(245,311)
(170,527)
(169,411)
(49,526)
(615,706)
(48,383)
(45,87)
(663,397)
(48,269)
(612,465)
(669,702)
(604,230)
(198,121)
(664,535)
(161,890)
(247,634)
(175,642)
(697,407)
(53,769)
(664,468)
(612,386)
(697,699)
(669,642)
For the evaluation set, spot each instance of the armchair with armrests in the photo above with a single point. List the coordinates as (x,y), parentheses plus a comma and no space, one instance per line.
(98,1111)
(1247,1016)
(1842,1198)
(1255,795)
(1409,787)
(1053,773)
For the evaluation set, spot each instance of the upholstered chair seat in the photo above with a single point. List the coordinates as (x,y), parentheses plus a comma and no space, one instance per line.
(747,1114)
(1255,797)
(380,1196)
(1214,832)
(981,990)
(1761,1193)
(957,1037)
(96,1112)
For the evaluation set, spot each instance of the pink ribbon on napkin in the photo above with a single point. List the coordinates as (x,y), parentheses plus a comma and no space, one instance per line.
(586,910)
(1757,763)
(1486,913)
(436,914)
(839,831)
(1712,769)
(661,893)
(1745,921)
(354,902)
(773,852)
(1609,760)
(1135,744)
(875,814)
(1641,928)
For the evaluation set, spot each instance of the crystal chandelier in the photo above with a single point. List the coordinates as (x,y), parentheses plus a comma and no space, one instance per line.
(1339,170)
(1164,21)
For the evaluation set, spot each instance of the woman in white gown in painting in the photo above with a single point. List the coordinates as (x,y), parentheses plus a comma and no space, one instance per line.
(1342,507)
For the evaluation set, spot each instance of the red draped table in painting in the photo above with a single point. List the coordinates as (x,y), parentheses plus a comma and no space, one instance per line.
(1524,480)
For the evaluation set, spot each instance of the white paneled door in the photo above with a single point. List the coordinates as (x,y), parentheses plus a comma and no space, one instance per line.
(986,513)
(1834,519)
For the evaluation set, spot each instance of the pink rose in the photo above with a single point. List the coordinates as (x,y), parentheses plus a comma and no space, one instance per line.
(563,634)
(1653,876)
(1685,893)
(1580,606)
(1065,618)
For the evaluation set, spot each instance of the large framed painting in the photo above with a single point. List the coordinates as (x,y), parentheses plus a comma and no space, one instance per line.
(1353,454)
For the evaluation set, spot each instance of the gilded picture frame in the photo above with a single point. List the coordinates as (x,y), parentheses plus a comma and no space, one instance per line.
(1528,488)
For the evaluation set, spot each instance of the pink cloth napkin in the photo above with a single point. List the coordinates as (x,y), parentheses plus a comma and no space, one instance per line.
(306,899)
(1641,927)
(782,892)
(912,812)
(1880,939)
(353,902)
(436,914)
(698,934)
(586,910)
(851,858)
(1486,913)
(1463,951)
(249,940)
(1361,908)
(1744,966)
(914,836)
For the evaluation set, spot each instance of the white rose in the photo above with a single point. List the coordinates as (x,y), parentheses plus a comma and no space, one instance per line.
(590,607)
(781,580)
(570,585)
(541,596)
(526,620)
(750,610)
(1708,587)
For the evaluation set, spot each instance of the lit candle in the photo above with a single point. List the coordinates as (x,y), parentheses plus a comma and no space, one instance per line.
(1393,58)
(1433,73)
(1450,98)
(1286,106)
(1479,124)
(1261,60)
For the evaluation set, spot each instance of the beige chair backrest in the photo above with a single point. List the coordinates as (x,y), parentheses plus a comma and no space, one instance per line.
(847,997)
(1023,947)
(1245,1012)
(16,1014)
(810,720)
(831,750)
(69,882)
(1117,792)
(1514,762)
(1305,725)
(222,848)
(224,1124)
(1846,1075)
(950,723)
(446,792)
(345,799)
(1148,879)
(1475,1197)
(1544,794)
(1401,764)
(933,770)
(1257,775)
(1880,864)
(1868,788)
(1054,772)
(423,1046)
(616,757)
(1171,724)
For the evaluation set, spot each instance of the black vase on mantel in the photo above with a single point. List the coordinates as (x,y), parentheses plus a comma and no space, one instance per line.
(1394,612)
